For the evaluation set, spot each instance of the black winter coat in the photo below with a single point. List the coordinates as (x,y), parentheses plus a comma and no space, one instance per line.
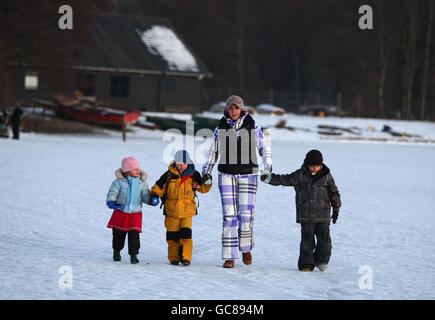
(16,115)
(314,194)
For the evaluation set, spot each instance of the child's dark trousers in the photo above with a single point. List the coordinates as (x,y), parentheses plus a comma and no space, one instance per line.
(119,240)
(311,253)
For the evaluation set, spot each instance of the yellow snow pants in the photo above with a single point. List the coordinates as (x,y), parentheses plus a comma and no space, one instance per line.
(179,238)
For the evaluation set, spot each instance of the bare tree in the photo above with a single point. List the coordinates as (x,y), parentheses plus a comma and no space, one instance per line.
(410,34)
(383,61)
(426,60)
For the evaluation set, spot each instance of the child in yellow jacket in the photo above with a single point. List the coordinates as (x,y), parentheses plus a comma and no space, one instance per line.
(177,188)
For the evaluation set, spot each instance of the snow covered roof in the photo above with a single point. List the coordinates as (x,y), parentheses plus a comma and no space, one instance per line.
(162,41)
(134,44)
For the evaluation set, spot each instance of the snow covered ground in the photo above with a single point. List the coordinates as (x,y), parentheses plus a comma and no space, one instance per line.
(54,243)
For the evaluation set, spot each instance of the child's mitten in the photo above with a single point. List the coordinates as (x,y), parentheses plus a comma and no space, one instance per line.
(155,201)
(206,179)
(112,205)
(335,215)
(265,176)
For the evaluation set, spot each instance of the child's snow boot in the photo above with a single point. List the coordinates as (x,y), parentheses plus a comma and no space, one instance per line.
(185,262)
(116,255)
(247,258)
(174,263)
(229,264)
(322,267)
(134,259)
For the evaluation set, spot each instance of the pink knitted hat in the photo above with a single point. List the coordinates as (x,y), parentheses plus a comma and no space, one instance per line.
(129,163)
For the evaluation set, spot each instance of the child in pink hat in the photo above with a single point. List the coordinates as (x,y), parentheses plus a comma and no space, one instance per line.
(129,164)
(125,196)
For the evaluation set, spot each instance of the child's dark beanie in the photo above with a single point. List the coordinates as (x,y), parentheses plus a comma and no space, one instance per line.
(313,158)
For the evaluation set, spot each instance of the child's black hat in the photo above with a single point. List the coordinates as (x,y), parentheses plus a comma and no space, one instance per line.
(313,158)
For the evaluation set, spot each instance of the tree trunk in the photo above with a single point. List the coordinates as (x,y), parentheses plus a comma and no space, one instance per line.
(296,68)
(381,90)
(240,45)
(358,105)
(426,60)
(382,62)
(410,59)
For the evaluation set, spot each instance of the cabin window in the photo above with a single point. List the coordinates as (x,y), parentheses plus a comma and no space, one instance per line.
(31,81)
(119,86)
(85,84)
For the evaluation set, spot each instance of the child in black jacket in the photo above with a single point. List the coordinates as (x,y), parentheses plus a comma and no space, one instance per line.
(316,192)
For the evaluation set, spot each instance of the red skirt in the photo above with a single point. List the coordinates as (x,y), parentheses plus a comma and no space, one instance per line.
(126,221)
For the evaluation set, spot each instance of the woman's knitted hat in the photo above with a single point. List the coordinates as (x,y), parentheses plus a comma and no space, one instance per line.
(129,163)
(235,100)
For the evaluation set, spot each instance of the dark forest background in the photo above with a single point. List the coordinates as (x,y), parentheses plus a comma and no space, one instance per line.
(291,52)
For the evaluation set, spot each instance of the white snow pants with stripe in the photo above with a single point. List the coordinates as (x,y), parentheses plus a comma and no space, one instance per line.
(238,194)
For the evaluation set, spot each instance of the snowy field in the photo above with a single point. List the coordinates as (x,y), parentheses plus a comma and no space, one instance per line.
(54,243)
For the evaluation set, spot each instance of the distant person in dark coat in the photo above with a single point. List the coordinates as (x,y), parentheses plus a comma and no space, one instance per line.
(15,121)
